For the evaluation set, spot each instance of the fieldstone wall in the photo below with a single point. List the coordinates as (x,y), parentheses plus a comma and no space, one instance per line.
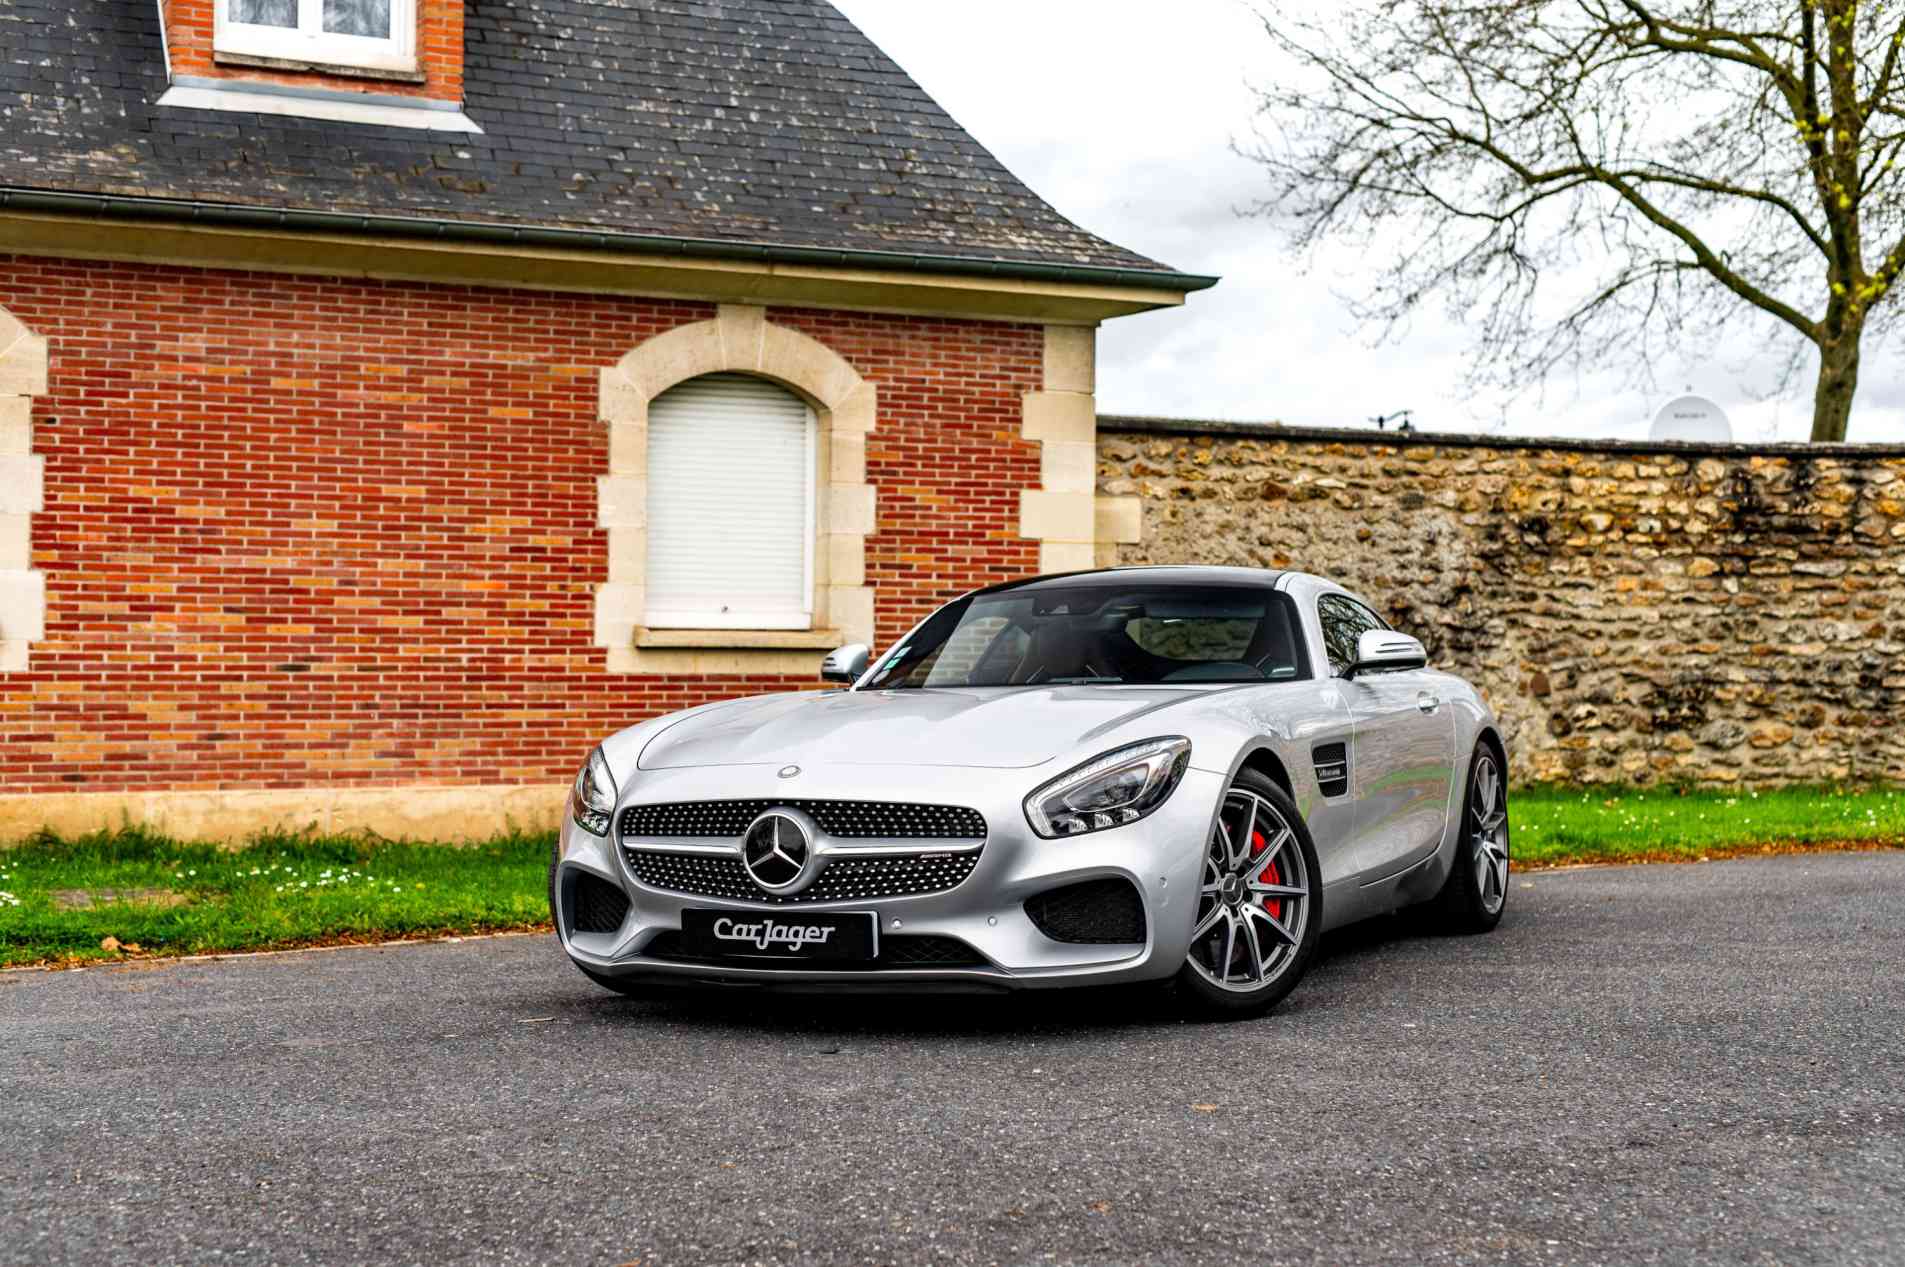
(1661,613)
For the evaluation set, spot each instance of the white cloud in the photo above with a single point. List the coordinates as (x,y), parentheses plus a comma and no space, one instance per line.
(1122,114)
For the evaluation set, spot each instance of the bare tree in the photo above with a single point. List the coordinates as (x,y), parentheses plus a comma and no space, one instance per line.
(1706,165)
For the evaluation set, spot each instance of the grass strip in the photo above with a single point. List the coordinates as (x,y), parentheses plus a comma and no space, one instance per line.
(1554,826)
(61,898)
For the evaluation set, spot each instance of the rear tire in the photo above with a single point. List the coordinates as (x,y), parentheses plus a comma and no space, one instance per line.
(1259,906)
(1476,892)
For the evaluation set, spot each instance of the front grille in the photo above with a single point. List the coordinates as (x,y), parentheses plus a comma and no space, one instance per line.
(846,820)
(1093,912)
(843,879)
(895,952)
(596,905)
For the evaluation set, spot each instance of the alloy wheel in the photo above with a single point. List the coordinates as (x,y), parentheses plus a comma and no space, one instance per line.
(1253,905)
(1488,833)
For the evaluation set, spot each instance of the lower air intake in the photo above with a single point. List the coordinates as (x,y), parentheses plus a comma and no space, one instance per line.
(916,951)
(595,905)
(1092,912)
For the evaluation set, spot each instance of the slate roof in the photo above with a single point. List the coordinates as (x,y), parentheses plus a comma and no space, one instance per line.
(739,121)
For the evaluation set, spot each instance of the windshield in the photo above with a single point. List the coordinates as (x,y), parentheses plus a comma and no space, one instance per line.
(1098,634)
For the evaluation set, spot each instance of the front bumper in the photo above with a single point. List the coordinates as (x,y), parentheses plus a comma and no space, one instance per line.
(1161,855)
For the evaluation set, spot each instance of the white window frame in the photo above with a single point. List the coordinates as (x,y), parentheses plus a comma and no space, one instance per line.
(744,619)
(310,43)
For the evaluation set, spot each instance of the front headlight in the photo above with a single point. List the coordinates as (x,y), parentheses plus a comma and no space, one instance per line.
(1109,791)
(592,800)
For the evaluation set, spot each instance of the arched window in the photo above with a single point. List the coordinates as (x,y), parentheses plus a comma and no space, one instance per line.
(731,466)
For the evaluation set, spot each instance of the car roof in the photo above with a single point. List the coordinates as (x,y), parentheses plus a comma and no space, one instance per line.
(1150,574)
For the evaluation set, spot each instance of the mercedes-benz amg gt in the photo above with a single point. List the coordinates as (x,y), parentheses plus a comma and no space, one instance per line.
(1179,775)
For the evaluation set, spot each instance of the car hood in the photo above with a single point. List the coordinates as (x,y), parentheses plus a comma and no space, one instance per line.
(1001,728)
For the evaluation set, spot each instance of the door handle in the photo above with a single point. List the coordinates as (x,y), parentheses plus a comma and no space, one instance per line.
(1427,702)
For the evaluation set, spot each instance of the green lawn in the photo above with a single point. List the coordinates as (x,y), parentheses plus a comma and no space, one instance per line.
(174,897)
(1553,825)
(170,897)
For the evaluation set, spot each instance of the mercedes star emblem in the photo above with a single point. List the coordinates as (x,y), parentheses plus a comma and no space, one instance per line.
(776,851)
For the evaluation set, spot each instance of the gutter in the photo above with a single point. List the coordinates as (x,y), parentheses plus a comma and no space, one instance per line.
(138,208)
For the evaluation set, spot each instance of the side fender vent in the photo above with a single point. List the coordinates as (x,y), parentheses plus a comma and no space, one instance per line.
(1332,768)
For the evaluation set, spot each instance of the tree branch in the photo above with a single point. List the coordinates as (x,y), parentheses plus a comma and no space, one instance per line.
(1705,255)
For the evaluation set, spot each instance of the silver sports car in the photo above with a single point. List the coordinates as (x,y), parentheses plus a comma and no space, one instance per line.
(1177,775)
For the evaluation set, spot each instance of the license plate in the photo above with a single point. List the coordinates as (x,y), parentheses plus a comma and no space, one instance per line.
(778,935)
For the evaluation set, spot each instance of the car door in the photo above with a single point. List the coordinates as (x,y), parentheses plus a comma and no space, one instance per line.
(1402,747)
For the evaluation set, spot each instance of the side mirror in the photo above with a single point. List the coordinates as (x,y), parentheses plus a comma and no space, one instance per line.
(845,664)
(1386,651)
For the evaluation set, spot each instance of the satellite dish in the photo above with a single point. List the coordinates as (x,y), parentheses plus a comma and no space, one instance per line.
(1693,418)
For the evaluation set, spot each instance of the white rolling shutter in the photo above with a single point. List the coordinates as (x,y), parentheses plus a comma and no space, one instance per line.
(730,506)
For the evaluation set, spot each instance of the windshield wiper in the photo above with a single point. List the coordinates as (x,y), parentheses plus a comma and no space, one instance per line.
(1086,680)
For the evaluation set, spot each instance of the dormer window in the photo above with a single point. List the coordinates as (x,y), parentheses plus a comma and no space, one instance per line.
(378,35)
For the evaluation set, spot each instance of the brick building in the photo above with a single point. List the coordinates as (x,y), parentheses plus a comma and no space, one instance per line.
(398,395)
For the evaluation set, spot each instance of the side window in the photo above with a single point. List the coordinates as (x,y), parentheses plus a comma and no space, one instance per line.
(1344,621)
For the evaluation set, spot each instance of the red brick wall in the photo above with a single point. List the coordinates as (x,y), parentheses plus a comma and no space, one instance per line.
(305,530)
(189,31)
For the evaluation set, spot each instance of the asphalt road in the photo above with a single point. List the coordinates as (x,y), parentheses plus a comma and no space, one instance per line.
(1702,1063)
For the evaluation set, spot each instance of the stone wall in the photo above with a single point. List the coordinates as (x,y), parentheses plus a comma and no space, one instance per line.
(1635,613)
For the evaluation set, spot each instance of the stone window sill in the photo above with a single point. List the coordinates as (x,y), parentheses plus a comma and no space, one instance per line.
(739,639)
(190,92)
(253,61)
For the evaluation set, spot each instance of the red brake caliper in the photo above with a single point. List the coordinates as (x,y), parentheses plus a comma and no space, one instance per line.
(1269,875)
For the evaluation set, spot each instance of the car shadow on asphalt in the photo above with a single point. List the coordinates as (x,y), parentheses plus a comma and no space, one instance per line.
(867,1013)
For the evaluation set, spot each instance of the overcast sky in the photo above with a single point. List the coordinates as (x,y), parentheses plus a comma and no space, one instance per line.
(1122,113)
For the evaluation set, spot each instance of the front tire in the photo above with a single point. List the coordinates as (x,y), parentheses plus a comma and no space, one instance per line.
(1476,892)
(1259,905)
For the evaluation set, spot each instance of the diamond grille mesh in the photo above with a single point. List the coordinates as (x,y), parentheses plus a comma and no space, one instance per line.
(847,820)
(844,879)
